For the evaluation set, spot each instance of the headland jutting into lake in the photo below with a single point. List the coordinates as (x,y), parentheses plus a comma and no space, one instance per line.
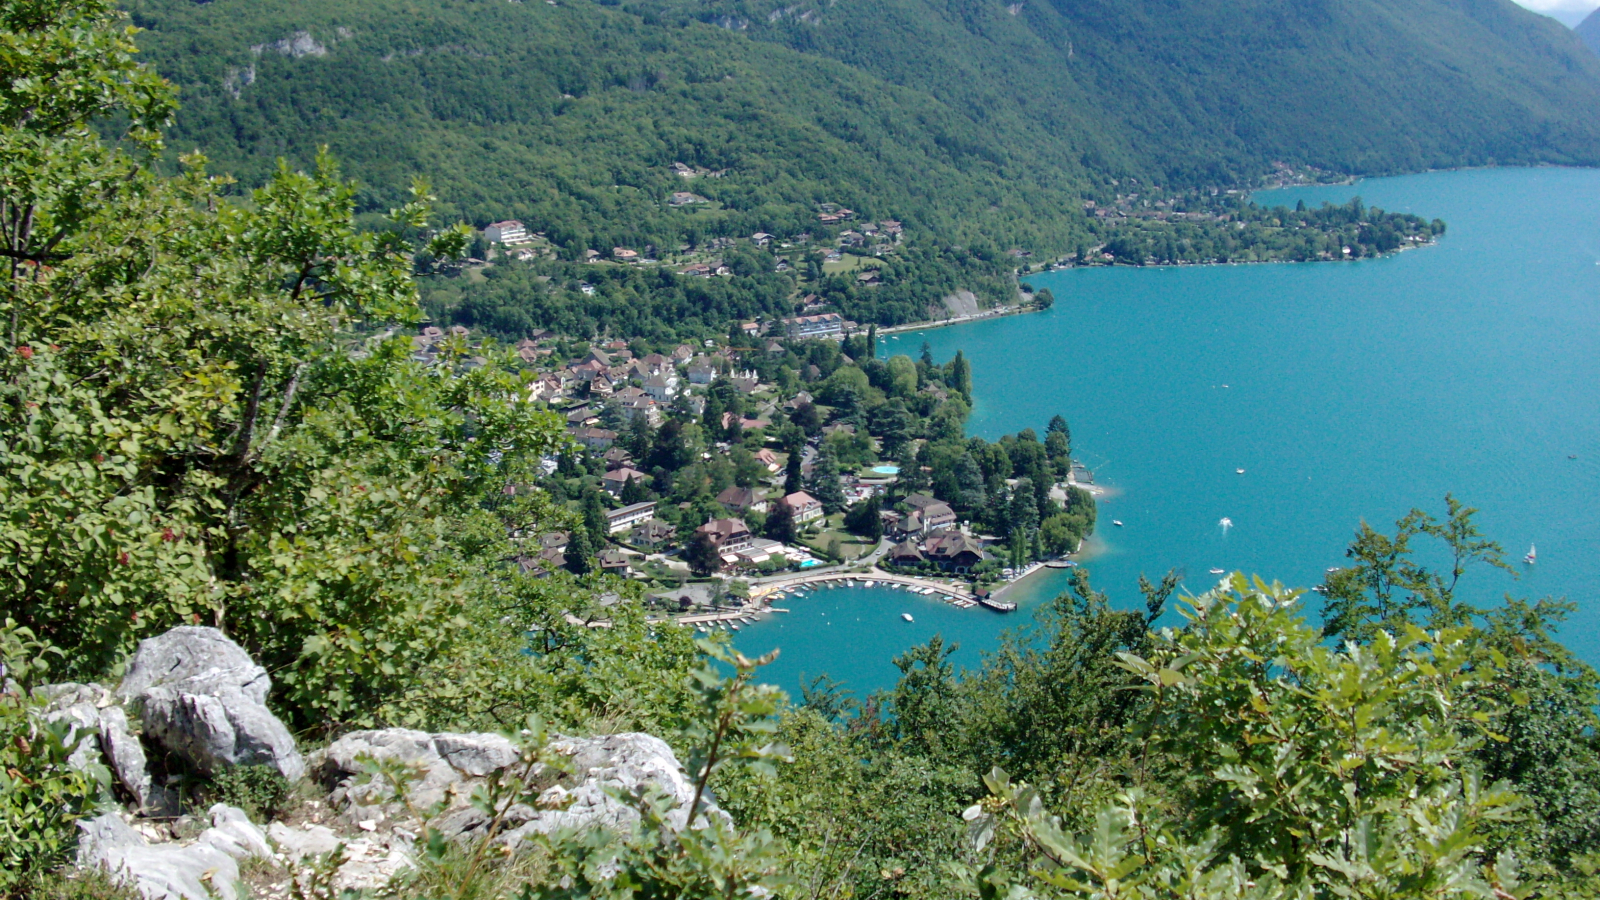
(1354,392)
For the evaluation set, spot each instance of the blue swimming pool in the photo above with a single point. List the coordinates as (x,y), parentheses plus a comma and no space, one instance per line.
(886,470)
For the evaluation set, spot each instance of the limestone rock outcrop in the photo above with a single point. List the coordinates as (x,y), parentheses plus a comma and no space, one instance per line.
(444,769)
(125,755)
(202,697)
(205,869)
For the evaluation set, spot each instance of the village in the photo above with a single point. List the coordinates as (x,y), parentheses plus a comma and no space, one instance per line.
(717,474)
(840,244)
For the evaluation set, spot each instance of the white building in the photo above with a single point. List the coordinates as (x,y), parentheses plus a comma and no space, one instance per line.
(620,520)
(818,326)
(802,507)
(661,388)
(508,232)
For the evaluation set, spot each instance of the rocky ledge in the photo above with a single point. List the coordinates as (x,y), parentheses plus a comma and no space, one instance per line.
(195,696)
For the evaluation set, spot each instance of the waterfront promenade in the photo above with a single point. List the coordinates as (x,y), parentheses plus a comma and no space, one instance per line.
(959,596)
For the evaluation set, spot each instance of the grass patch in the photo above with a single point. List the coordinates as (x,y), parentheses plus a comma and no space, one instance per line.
(849,547)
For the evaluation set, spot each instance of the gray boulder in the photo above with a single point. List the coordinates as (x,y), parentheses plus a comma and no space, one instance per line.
(605,768)
(439,766)
(78,706)
(202,697)
(203,870)
(366,863)
(125,754)
(444,769)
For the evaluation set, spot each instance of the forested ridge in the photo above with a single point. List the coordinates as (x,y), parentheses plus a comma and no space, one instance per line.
(968,120)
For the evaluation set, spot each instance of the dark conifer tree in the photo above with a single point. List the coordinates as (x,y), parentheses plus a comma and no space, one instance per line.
(580,553)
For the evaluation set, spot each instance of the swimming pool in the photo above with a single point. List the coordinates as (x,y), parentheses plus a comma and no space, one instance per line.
(886,470)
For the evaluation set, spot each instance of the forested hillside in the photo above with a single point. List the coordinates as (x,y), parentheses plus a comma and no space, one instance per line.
(967,119)
(570,117)
(1208,92)
(1589,31)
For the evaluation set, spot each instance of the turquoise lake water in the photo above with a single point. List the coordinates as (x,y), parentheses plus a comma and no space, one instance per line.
(1346,391)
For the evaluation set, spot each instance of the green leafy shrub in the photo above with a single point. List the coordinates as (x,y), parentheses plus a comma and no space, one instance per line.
(202,419)
(261,791)
(41,796)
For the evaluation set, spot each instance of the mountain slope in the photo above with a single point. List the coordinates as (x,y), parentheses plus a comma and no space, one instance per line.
(571,116)
(970,119)
(1589,31)
(1203,90)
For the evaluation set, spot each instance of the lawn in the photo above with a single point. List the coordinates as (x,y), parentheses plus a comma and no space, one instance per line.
(850,546)
(851,263)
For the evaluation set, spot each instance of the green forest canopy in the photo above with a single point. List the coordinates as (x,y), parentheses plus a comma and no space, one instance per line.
(970,120)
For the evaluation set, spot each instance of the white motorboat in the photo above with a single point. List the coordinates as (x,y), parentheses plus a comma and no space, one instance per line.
(1117,522)
(1218,571)
(907,617)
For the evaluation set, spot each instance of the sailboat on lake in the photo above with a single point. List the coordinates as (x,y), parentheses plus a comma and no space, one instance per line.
(1533,555)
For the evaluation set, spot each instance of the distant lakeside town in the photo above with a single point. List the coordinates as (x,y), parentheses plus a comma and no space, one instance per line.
(784,445)
(703,471)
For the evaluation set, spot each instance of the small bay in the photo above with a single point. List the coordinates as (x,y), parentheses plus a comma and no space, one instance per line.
(1345,391)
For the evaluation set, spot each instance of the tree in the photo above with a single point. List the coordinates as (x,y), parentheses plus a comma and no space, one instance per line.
(579,557)
(791,472)
(256,454)
(634,491)
(1058,425)
(902,376)
(1057,447)
(1058,536)
(924,696)
(594,518)
(1386,588)
(863,519)
(702,555)
(912,479)
(961,376)
(807,417)
(1024,513)
(825,484)
(1268,816)
(894,425)
(638,437)
(780,524)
